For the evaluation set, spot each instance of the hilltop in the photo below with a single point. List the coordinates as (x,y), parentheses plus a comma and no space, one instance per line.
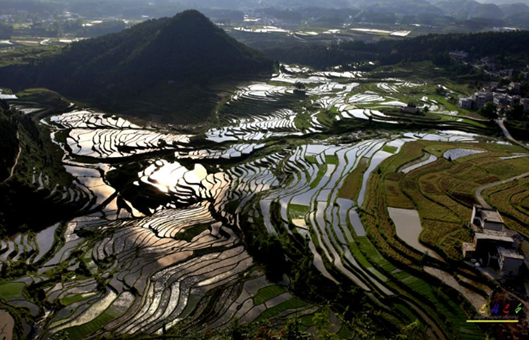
(167,66)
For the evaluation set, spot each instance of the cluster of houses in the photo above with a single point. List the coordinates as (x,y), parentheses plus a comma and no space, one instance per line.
(488,65)
(494,246)
(502,96)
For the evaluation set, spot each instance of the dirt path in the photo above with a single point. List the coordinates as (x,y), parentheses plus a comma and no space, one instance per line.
(508,134)
(16,159)
(479,191)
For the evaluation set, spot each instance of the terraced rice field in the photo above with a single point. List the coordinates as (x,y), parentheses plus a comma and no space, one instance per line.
(271,161)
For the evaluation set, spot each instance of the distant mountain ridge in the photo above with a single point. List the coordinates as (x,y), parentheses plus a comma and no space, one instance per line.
(184,51)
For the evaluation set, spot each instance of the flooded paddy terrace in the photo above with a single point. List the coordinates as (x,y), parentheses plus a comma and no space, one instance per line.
(180,260)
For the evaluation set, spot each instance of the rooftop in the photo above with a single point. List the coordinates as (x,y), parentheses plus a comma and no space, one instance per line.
(468,246)
(493,236)
(510,253)
(489,215)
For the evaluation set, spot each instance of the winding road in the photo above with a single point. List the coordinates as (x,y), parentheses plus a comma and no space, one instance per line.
(508,135)
(480,190)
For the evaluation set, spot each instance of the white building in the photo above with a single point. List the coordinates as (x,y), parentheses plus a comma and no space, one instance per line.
(494,245)
(487,218)
(510,262)
(466,103)
(483,97)
(458,54)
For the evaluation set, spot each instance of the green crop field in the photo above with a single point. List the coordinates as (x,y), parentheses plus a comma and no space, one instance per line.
(267,293)
(12,290)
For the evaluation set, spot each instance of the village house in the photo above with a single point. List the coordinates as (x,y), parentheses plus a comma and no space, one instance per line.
(500,95)
(458,54)
(483,97)
(466,103)
(493,245)
(506,73)
(514,88)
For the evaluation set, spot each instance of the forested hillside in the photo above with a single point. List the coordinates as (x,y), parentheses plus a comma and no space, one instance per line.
(508,48)
(173,55)
(29,160)
(9,145)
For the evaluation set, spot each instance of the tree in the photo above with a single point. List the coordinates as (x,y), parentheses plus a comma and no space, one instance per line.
(489,110)
(237,331)
(412,332)
(6,31)
(515,112)
(299,88)
(323,325)
(293,332)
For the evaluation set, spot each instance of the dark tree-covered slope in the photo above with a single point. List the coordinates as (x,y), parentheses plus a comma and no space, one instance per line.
(9,144)
(28,158)
(509,48)
(186,51)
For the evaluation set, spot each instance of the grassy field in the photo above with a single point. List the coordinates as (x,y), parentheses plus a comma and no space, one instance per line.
(80,332)
(443,191)
(12,291)
(511,200)
(289,304)
(390,149)
(266,293)
(353,182)
(297,211)
(73,299)
(443,194)
(321,172)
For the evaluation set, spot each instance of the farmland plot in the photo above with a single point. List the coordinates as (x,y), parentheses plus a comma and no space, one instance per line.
(159,248)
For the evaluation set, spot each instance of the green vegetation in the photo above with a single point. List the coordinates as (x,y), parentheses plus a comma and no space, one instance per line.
(289,304)
(73,299)
(321,172)
(80,332)
(511,200)
(189,233)
(6,31)
(422,48)
(298,211)
(353,182)
(267,293)
(12,290)
(138,62)
(331,159)
(9,145)
(28,142)
(390,149)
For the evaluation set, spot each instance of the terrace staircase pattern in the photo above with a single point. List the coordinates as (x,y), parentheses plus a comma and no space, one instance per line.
(181,262)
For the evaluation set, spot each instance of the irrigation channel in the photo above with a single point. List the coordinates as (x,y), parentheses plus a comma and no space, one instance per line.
(171,254)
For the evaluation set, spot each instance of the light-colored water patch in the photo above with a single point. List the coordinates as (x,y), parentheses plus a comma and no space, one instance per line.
(408,225)
(7,323)
(371,30)
(430,159)
(400,33)
(45,240)
(7,96)
(454,154)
